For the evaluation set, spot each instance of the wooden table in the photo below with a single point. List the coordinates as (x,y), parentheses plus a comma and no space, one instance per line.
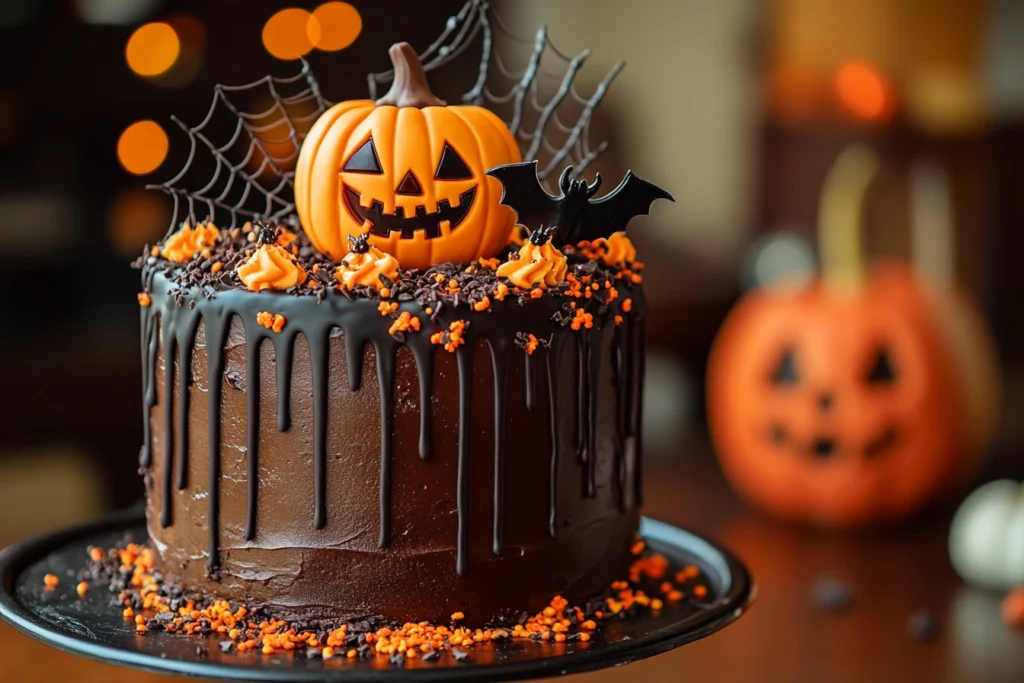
(784,637)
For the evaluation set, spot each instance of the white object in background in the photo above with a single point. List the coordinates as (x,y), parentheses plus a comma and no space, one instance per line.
(781,258)
(116,12)
(986,540)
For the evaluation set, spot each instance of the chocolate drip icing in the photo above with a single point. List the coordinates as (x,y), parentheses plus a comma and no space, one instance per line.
(318,356)
(499,363)
(552,361)
(186,340)
(581,396)
(621,379)
(284,349)
(464,359)
(252,425)
(530,389)
(172,323)
(216,336)
(637,362)
(593,345)
(385,354)
(150,337)
(354,361)
(423,354)
(168,351)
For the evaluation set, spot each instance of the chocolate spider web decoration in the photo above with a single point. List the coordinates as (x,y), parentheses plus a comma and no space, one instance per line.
(259,182)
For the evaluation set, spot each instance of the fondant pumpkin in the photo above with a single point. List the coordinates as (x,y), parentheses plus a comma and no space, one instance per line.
(408,169)
(835,402)
(986,539)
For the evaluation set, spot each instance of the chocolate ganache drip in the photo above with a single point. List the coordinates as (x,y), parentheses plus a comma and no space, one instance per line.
(172,323)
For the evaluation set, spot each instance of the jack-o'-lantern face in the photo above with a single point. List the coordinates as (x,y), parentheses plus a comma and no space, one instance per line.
(409,214)
(413,176)
(833,409)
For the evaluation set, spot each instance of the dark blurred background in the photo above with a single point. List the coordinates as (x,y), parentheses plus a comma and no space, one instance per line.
(738,107)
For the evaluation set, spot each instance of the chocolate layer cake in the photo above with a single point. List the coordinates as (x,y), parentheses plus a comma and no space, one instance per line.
(372,409)
(332,469)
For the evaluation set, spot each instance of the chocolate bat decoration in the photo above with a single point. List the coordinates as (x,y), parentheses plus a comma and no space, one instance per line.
(574,214)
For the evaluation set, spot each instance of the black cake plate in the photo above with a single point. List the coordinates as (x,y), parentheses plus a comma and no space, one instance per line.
(93,627)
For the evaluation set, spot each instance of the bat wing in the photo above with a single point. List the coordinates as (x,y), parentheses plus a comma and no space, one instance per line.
(523,192)
(611,213)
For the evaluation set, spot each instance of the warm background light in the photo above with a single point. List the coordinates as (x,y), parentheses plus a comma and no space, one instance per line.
(192,37)
(275,137)
(142,147)
(137,217)
(337,24)
(152,49)
(863,91)
(291,33)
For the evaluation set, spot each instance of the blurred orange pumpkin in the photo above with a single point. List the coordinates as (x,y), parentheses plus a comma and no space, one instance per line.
(408,169)
(844,401)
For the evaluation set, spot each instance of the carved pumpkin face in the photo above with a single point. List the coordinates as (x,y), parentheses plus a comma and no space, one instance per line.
(835,408)
(413,176)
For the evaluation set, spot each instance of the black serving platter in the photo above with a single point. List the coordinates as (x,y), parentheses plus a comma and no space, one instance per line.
(93,627)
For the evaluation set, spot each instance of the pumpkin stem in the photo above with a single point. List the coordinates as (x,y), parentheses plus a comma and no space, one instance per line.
(840,215)
(409,87)
(932,230)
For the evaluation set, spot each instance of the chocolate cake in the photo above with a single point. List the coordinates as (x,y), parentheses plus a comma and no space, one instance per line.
(332,433)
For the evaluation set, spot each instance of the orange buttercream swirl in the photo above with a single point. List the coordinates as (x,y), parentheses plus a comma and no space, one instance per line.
(617,250)
(538,264)
(365,269)
(188,241)
(271,267)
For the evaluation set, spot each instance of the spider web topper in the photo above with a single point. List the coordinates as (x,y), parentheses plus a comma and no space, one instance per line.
(241,161)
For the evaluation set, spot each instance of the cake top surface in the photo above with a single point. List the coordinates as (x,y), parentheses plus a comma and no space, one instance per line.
(210,260)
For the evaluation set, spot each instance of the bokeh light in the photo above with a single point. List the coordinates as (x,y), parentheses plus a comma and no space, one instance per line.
(137,217)
(192,36)
(275,136)
(863,91)
(152,49)
(142,147)
(291,33)
(190,30)
(335,26)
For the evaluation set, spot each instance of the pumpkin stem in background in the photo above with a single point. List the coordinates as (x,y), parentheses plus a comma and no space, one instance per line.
(932,230)
(840,215)
(409,87)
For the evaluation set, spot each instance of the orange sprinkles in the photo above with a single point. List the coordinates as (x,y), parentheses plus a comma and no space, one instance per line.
(582,319)
(406,322)
(271,321)
(144,299)
(82,589)
(50,581)
(558,622)
(453,338)
(531,344)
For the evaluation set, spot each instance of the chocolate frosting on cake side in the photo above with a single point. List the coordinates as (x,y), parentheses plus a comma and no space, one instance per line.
(353,474)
